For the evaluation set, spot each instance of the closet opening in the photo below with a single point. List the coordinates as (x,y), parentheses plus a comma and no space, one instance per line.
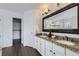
(16,31)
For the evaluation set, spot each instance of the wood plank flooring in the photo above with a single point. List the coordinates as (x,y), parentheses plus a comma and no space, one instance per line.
(19,50)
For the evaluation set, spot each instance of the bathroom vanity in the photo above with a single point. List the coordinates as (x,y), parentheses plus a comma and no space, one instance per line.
(55,46)
(65,20)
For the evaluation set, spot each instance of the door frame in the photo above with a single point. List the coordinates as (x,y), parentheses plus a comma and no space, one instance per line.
(20,21)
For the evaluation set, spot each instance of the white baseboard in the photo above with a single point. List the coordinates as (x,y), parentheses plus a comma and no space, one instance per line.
(8,45)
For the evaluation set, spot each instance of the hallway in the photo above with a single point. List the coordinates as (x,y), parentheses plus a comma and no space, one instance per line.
(19,50)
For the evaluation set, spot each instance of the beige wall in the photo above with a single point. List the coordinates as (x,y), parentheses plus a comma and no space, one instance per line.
(52,6)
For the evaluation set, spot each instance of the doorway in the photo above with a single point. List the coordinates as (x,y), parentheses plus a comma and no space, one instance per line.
(16,31)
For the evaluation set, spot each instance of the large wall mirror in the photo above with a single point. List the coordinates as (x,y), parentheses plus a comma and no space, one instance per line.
(65,20)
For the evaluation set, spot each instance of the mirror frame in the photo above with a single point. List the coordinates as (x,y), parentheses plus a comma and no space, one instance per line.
(73,31)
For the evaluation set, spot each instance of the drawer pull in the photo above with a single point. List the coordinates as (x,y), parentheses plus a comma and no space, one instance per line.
(54,53)
(50,50)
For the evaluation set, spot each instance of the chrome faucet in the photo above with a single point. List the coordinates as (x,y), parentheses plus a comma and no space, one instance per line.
(66,38)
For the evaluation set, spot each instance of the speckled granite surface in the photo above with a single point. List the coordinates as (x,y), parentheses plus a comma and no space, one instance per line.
(74,48)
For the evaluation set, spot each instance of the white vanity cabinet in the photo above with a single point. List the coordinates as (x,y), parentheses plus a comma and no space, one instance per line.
(42,46)
(49,49)
(54,49)
(58,50)
(37,44)
(71,53)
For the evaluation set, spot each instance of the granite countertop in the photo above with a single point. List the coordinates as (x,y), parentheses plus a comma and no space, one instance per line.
(74,48)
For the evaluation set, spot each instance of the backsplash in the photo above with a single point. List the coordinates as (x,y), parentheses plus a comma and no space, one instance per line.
(61,36)
(65,34)
(68,39)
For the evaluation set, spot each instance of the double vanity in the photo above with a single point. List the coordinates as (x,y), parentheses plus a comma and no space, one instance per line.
(56,46)
(64,20)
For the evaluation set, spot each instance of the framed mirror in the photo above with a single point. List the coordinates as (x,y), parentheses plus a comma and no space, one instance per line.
(65,20)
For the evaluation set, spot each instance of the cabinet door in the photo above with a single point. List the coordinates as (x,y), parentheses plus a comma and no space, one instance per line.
(42,44)
(39,47)
(58,50)
(49,52)
(71,53)
(49,49)
(37,44)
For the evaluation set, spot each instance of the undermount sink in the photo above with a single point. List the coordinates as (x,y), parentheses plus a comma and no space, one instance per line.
(43,36)
(65,42)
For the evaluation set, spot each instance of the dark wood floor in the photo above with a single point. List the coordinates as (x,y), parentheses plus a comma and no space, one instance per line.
(19,50)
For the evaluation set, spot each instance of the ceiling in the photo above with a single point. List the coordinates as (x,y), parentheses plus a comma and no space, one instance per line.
(18,7)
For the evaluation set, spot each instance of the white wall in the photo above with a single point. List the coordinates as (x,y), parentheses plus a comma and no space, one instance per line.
(31,23)
(28,28)
(7,26)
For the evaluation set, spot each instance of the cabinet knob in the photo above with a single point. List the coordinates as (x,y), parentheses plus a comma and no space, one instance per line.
(54,53)
(50,50)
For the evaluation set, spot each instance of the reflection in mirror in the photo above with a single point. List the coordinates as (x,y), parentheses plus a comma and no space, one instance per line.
(63,20)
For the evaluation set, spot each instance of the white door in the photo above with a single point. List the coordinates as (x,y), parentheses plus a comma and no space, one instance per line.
(29,28)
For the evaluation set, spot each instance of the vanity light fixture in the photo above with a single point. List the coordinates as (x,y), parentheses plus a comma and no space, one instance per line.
(58,4)
(46,11)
